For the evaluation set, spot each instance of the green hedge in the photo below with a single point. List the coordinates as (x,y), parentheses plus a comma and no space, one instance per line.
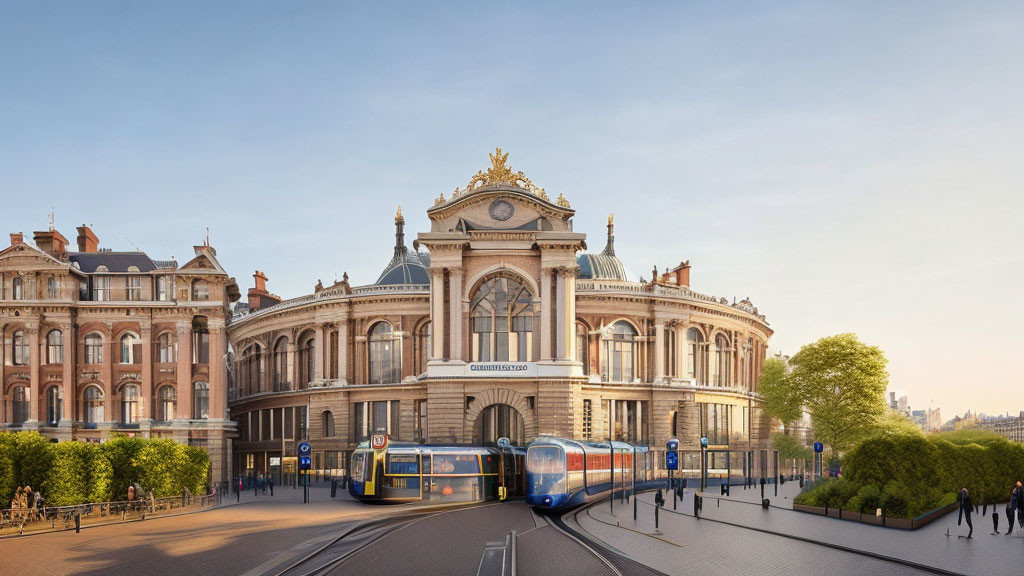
(908,474)
(74,472)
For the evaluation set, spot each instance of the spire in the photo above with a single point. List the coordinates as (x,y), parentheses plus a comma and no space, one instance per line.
(400,249)
(609,247)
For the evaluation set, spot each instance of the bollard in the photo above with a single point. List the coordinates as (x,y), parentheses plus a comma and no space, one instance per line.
(656,508)
(634,508)
(995,522)
(762,488)
(78,522)
(766,503)
(801,481)
(334,488)
(696,505)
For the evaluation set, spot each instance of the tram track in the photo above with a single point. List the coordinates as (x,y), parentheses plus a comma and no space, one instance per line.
(619,565)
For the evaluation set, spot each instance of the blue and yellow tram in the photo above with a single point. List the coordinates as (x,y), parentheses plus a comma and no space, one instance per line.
(562,473)
(409,472)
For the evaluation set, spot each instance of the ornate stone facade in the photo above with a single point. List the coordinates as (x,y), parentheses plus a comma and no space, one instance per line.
(502,327)
(98,342)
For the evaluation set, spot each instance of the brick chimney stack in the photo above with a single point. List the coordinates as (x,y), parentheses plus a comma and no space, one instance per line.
(52,242)
(17,238)
(87,241)
(258,295)
(682,273)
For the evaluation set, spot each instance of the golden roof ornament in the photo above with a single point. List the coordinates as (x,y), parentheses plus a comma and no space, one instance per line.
(562,201)
(501,173)
(398,214)
(440,199)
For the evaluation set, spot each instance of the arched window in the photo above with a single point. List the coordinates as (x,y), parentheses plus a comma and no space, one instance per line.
(723,361)
(696,356)
(54,347)
(583,347)
(94,349)
(200,290)
(52,288)
(503,319)
(20,401)
(200,401)
(307,356)
(131,349)
(327,419)
(54,405)
(130,404)
(423,347)
(92,405)
(168,403)
(385,355)
(167,348)
(21,348)
(281,364)
(670,351)
(17,288)
(617,363)
(252,367)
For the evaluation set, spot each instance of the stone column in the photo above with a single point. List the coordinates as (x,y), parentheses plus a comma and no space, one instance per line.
(146,414)
(318,346)
(291,361)
(561,343)
(455,311)
(184,371)
(545,314)
(569,312)
(68,377)
(33,346)
(659,350)
(218,374)
(343,351)
(437,312)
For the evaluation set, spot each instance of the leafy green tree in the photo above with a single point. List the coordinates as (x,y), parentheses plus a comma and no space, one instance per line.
(121,453)
(68,481)
(789,448)
(31,456)
(842,383)
(894,423)
(782,397)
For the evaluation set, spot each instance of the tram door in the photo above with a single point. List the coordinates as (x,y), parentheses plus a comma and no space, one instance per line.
(513,476)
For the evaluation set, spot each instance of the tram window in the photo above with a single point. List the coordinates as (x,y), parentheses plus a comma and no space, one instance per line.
(456,464)
(403,464)
(490,463)
(358,459)
(426,463)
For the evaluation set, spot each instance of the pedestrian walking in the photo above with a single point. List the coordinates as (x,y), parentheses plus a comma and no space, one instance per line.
(270,482)
(238,489)
(1011,510)
(965,511)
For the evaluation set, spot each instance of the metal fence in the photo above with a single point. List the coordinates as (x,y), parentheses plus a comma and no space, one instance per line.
(16,520)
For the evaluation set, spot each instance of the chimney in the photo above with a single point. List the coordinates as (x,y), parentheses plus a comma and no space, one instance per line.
(683,274)
(52,242)
(17,238)
(260,281)
(258,295)
(87,241)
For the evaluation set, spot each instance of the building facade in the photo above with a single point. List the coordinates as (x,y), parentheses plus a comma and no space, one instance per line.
(97,343)
(497,323)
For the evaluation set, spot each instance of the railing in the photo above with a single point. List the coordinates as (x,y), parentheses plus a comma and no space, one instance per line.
(336,293)
(16,520)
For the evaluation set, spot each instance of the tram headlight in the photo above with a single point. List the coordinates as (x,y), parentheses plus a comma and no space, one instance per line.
(547,500)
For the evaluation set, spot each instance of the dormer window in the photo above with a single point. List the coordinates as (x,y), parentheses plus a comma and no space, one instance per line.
(101,288)
(133,287)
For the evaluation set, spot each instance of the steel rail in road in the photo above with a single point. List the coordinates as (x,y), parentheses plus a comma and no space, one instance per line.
(614,560)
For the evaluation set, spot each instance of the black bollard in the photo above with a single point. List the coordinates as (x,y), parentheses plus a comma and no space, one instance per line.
(995,522)
(634,508)
(334,488)
(762,487)
(696,505)
(766,503)
(656,508)
(78,522)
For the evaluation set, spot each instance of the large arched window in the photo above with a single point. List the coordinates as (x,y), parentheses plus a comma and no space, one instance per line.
(281,364)
(423,345)
(696,356)
(168,396)
(503,320)
(94,349)
(167,348)
(130,404)
(617,362)
(20,346)
(307,356)
(252,368)
(92,405)
(385,354)
(54,347)
(54,405)
(20,401)
(17,289)
(327,421)
(583,347)
(200,401)
(723,361)
(131,349)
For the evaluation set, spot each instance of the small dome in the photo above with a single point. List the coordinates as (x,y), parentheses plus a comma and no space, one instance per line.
(601,267)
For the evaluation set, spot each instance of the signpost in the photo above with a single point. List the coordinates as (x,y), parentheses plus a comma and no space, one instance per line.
(305,463)
(818,449)
(703,463)
(671,464)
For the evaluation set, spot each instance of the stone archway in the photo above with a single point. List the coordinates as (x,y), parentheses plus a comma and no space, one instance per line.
(505,411)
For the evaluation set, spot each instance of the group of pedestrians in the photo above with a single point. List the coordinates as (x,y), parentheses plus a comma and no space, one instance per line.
(259,483)
(1014,508)
(26,502)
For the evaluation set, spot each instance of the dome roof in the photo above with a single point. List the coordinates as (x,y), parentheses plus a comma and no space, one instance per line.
(405,267)
(603,266)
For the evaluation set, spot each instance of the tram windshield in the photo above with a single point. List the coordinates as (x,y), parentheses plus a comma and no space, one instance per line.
(545,467)
(358,461)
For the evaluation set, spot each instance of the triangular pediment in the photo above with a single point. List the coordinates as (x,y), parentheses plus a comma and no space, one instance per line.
(204,262)
(24,256)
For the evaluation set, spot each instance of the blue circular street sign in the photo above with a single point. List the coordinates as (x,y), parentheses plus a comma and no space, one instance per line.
(819,447)
(704,442)
(305,448)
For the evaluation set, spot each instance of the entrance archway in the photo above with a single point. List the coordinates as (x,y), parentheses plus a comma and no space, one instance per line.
(499,421)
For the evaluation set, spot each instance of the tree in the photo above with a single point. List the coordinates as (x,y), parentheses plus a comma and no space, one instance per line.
(782,397)
(842,383)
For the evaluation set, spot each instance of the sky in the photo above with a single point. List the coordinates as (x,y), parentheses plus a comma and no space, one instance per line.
(849,168)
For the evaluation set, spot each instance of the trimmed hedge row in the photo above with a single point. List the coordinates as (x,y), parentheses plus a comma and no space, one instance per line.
(907,475)
(75,472)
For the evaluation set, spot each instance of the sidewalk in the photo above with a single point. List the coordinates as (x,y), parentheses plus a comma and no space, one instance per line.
(736,536)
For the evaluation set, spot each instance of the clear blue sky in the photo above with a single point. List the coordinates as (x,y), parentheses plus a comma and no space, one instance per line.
(850,168)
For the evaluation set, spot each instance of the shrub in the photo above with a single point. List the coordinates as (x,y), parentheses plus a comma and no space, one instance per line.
(868,499)
(122,453)
(69,479)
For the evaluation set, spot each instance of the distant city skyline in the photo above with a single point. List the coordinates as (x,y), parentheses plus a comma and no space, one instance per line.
(848,173)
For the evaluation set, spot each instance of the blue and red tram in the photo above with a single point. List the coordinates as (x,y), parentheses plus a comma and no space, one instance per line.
(408,472)
(561,473)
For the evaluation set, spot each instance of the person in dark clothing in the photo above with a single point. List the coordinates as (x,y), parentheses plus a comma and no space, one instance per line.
(270,484)
(966,508)
(1020,506)
(1011,509)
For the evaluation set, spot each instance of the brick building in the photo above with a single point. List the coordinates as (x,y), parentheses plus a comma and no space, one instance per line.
(97,342)
(496,323)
